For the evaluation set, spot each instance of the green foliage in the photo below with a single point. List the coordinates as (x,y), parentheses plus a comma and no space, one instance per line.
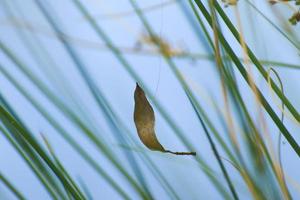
(241,144)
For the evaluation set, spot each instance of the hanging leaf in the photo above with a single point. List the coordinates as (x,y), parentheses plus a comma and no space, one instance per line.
(144,120)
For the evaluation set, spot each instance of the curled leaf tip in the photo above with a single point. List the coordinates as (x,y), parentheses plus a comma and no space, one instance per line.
(144,120)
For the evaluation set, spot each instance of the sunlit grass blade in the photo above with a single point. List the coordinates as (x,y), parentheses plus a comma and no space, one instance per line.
(97,96)
(255,61)
(262,99)
(31,158)
(65,135)
(186,88)
(13,126)
(232,88)
(11,187)
(127,66)
(215,151)
(62,169)
(224,88)
(84,128)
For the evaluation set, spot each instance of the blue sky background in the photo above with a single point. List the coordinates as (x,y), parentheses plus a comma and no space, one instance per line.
(118,87)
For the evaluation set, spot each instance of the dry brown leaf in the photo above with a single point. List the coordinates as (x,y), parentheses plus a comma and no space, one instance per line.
(144,120)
